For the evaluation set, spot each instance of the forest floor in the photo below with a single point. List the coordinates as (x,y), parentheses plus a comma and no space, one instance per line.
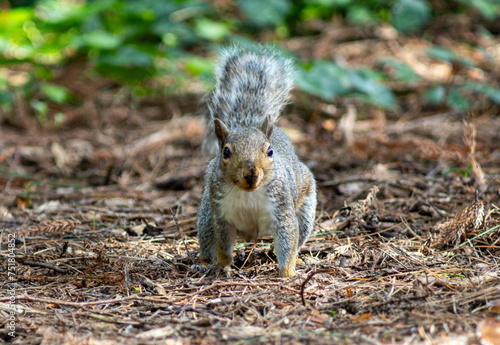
(98,223)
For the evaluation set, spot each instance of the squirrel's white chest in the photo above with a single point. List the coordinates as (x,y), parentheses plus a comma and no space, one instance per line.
(249,212)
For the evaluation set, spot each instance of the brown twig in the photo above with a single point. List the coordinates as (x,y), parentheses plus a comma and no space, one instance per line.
(42,264)
(255,242)
(220,285)
(82,304)
(302,287)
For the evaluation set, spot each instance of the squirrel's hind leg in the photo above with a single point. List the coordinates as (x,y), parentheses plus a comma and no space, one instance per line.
(307,212)
(286,242)
(206,233)
(293,229)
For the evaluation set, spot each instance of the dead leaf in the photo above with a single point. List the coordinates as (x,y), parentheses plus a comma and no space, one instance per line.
(363,317)
(317,317)
(488,331)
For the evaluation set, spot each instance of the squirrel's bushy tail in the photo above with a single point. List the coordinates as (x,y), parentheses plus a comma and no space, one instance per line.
(249,86)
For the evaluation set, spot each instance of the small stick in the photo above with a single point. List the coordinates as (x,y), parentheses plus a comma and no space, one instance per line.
(44,265)
(252,249)
(309,278)
(219,285)
(80,304)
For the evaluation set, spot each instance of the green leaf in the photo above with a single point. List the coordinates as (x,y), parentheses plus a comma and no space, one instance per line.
(447,55)
(324,79)
(332,313)
(491,92)
(172,33)
(6,100)
(374,92)
(402,71)
(457,100)
(41,109)
(128,56)
(128,64)
(328,80)
(410,15)
(211,30)
(15,17)
(489,9)
(197,66)
(360,15)
(101,40)
(55,93)
(59,118)
(39,106)
(43,72)
(59,12)
(435,95)
(265,13)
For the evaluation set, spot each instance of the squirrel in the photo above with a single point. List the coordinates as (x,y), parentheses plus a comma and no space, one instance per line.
(256,185)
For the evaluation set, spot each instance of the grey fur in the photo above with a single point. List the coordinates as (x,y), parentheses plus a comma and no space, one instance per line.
(250,88)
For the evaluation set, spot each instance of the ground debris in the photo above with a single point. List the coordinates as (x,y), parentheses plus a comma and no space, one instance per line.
(473,223)
(103,253)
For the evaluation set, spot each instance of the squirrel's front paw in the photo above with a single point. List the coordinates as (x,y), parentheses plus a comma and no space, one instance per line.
(212,270)
(219,271)
(199,268)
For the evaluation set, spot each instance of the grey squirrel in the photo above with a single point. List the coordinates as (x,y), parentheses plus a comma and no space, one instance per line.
(256,185)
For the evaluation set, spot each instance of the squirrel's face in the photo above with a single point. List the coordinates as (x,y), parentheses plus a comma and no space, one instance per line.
(246,158)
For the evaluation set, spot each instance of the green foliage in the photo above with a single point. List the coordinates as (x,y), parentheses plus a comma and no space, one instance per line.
(131,42)
(457,100)
(211,30)
(410,15)
(28,191)
(459,96)
(463,172)
(436,95)
(332,313)
(447,55)
(489,9)
(6,97)
(491,92)
(324,79)
(357,12)
(402,72)
(265,13)
(136,42)
(329,80)
(199,67)
(55,93)
(128,64)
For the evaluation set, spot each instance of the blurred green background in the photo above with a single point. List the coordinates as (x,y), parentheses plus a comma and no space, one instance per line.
(161,48)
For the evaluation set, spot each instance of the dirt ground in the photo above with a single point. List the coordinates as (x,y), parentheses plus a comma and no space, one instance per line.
(98,224)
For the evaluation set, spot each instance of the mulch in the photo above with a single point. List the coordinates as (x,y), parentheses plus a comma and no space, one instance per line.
(405,247)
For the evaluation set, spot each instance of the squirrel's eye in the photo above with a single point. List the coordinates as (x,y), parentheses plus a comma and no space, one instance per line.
(227,152)
(269,152)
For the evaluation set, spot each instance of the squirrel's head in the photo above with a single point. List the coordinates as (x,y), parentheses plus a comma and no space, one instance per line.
(246,155)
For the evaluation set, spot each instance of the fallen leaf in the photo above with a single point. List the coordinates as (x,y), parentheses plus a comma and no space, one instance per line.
(363,317)
(488,332)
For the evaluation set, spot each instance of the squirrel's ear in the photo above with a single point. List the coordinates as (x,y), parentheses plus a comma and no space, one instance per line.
(267,127)
(221,131)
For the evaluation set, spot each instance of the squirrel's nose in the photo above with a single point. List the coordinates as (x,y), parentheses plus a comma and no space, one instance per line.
(251,176)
